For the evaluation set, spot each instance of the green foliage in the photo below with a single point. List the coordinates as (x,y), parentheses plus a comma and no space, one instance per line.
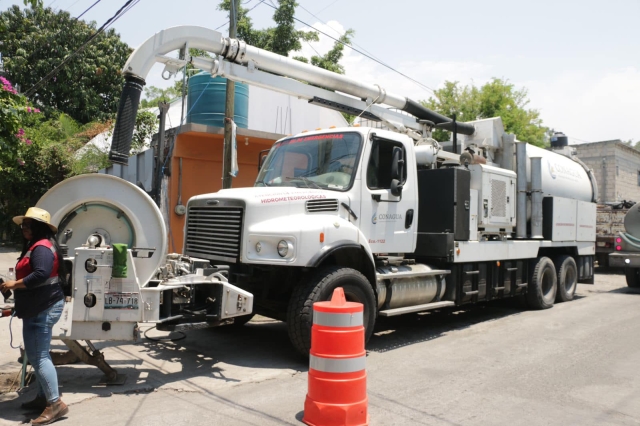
(90,158)
(13,116)
(331,60)
(36,40)
(146,126)
(281,39)
(154,94)
(497,98)
(33,3)
(35,155)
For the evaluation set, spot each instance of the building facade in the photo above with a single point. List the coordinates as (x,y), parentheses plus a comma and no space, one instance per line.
(616,166)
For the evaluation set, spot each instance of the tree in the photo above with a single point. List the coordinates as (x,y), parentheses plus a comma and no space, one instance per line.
(497,98)
(36,40)
(29,163)
(154,94)
(281,39)
(32,3)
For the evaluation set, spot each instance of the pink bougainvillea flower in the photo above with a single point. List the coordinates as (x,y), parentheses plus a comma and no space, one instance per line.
(21,161)
(28,141)
(6,86)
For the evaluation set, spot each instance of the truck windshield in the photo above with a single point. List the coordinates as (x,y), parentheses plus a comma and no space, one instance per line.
(326,161)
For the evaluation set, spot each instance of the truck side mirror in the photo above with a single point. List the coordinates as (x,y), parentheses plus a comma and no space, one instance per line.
(261,156)
(397,171)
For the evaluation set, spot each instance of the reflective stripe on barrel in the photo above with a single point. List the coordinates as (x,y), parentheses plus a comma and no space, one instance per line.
(337,393)
(352,319)
(337,365)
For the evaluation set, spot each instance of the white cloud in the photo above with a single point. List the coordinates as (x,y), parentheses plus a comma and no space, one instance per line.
(591,107)
(429,73)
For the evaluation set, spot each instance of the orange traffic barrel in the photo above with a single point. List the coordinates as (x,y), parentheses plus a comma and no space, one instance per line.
(337,394)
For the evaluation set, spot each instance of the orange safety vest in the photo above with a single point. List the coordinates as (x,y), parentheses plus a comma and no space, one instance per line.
(23,268)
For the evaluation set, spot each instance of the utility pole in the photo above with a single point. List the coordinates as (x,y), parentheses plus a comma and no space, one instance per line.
(229,107)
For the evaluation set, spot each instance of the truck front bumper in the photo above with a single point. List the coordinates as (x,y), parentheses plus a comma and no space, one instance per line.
(624,260)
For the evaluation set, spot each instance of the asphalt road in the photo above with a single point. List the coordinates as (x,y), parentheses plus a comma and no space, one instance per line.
(576,363)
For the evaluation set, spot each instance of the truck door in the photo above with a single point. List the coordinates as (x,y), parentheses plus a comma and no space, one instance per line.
(387,220)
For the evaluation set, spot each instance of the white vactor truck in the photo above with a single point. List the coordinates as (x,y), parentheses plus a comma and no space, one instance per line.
(398,221)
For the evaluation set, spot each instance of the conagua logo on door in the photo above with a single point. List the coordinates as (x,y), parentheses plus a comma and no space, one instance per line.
(385,217)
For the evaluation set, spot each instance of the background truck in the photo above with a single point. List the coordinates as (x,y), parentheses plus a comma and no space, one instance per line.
(401,222)
(627,248)
(609,224)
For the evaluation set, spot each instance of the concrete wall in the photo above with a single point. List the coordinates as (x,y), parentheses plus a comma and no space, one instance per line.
(616,167)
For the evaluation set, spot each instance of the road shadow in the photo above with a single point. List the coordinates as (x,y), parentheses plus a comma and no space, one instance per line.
(626,290)
(396,332)
(209,360)
(601,270)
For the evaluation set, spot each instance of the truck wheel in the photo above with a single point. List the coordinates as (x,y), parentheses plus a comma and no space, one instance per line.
(543,284)
(633,277)
(567,278)
(320,288)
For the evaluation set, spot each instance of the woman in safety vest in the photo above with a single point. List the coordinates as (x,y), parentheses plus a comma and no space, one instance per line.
(39,301)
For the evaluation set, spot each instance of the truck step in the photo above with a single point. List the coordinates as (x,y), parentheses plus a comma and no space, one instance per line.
(411,274)
(417,308)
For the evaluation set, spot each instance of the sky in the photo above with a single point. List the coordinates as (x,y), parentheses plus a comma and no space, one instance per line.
(578,59)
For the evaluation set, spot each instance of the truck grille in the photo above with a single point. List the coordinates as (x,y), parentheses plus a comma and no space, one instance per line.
(214,232)
(330,205)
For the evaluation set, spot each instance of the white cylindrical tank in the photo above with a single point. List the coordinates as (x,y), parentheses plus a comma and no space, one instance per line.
(561,176)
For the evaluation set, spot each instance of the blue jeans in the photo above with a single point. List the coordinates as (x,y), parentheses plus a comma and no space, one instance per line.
(36,333)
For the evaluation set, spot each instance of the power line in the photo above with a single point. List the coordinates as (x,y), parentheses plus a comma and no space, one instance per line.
(227,23)
(88,9)
(73,4)
(124,9)
(327,7)
(334,30)
(364,54)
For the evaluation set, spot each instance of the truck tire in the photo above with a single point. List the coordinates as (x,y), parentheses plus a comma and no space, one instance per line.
(543,284)
(567,278)
(633,277)
(320,288)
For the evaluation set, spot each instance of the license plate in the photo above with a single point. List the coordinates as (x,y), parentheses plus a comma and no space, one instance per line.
(121,300)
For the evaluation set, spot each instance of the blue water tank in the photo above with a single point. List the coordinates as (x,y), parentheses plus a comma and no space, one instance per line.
(207,97)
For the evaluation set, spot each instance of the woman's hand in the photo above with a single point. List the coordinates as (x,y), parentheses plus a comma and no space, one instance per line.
(11,285)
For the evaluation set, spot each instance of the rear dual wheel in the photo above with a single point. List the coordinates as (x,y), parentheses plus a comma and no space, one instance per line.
(567,278)
(543,284)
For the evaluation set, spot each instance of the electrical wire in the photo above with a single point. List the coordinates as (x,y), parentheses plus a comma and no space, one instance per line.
(227,23)
(334,30)
(124,9)
(327,7)
(73,4)
(579,140)
(88,9)
(424,86)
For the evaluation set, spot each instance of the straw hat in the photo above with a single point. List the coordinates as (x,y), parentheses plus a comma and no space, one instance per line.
(38,214)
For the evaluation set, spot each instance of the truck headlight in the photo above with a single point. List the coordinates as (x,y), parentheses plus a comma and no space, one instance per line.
(283,248)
